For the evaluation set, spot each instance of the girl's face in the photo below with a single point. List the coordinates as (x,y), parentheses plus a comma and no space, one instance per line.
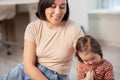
(90,58)
(56,12)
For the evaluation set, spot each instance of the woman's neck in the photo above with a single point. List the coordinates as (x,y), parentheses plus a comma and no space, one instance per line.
(50,25)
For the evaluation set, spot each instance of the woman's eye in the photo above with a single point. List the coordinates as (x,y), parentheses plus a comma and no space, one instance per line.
(53,6)
(62,7)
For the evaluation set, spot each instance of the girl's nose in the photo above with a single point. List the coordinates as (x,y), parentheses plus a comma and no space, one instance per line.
(90,62)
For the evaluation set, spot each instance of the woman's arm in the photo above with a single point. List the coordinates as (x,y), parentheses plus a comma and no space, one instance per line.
(29,58)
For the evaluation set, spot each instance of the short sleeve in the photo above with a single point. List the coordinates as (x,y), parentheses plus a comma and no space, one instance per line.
(78,33)
(30,33)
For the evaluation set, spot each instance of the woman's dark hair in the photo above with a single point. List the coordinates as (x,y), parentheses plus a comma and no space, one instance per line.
(43,4)
(88,43)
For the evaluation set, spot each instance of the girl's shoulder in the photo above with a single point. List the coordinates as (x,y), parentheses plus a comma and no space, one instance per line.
(106,64)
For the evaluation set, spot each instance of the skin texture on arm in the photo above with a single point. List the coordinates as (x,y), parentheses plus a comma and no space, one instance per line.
(29,58)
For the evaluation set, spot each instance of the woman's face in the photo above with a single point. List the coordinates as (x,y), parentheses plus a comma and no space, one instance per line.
(56,12)
(90,58)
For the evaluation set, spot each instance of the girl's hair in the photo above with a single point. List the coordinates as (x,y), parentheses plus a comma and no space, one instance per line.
(88,43)
(43,4)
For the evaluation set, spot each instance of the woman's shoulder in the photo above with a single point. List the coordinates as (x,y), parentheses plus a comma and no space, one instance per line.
(71,22)
(34,26)
(72,25)
(36,22)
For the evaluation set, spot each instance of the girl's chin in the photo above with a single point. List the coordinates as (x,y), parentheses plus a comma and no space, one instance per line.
(93,64)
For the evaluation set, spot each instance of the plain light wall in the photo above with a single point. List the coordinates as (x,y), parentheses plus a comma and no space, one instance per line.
(79,12)
(106,28)
(92,4)
(104,25)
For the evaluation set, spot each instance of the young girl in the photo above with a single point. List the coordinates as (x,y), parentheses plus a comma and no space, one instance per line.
(91,65)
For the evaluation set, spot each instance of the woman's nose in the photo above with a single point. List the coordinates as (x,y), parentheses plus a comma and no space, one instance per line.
(57,10)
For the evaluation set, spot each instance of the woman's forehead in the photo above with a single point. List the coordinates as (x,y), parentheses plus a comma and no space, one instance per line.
(60,1)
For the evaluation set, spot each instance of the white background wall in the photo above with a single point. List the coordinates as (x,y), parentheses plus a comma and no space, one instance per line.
(79,12)
(105,25)
(92,4)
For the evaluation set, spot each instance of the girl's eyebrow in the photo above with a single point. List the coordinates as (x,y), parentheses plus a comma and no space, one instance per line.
(85,60)
(89,59)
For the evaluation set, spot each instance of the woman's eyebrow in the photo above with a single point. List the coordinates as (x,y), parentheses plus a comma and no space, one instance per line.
(60,4)
(63,4)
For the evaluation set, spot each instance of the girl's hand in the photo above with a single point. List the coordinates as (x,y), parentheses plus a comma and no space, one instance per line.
(89,75)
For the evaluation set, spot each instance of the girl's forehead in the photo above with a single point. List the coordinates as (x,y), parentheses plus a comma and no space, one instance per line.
(86,54)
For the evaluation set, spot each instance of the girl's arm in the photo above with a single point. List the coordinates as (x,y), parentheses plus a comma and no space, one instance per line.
(83,75)
(109,74)
(29,58)
(80,71)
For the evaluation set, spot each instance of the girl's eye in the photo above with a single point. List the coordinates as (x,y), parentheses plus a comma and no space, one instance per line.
(93,58)
(85,60)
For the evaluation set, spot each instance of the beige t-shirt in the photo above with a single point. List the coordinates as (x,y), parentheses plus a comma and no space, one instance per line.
(55,46)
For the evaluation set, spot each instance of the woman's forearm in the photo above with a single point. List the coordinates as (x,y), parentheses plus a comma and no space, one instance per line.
(34,73)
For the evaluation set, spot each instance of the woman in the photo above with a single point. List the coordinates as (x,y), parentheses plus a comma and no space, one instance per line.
(91,65)
(50,42)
